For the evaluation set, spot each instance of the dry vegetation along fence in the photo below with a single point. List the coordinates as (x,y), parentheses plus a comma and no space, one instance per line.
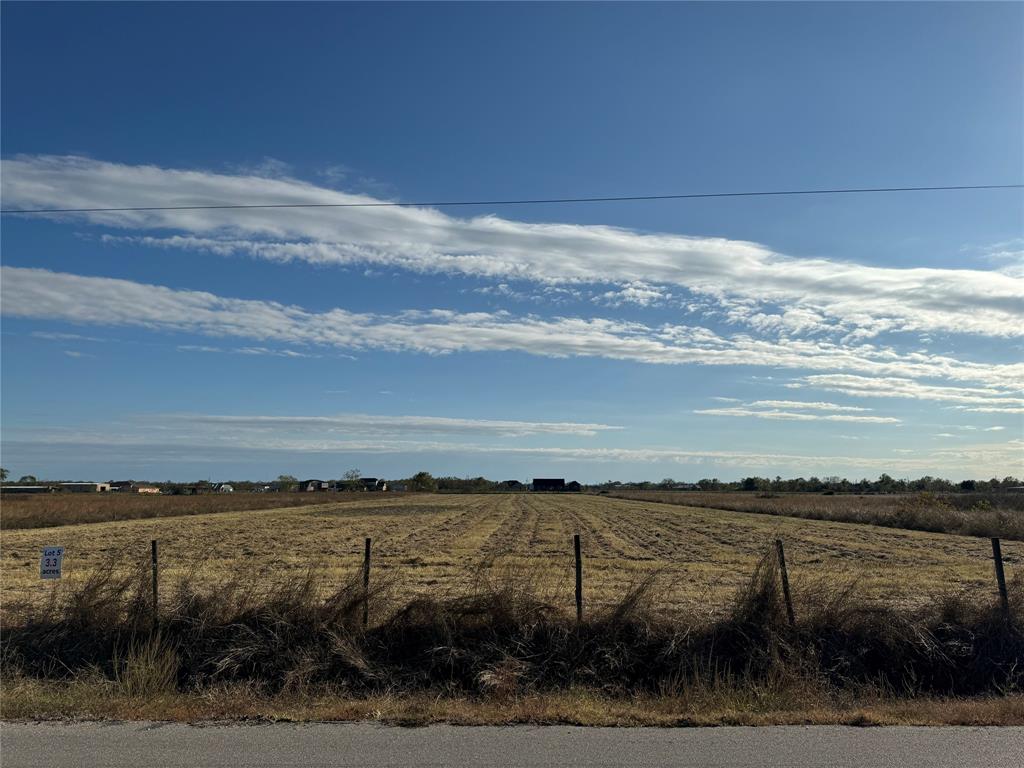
(504,637)
(53,509)
(968,514)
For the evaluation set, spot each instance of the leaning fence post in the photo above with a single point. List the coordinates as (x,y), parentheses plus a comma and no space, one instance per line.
(579,576)
(153,563)
(781,554)
(366,583)
(997,556)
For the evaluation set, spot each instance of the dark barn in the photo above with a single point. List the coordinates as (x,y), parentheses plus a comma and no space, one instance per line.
(548,484)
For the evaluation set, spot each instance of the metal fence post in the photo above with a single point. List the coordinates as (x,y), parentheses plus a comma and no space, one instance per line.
(997,557)
(153,560)
(366,583)
(579,576)
(781,554)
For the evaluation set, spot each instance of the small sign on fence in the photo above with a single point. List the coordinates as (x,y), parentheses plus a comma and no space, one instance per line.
(50,563)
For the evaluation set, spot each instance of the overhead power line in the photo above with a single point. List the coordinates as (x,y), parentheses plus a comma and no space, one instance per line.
(535,201)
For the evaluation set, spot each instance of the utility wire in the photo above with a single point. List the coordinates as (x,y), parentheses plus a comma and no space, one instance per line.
(541,201)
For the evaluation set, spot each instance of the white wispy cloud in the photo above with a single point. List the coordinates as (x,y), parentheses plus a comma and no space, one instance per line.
(992,409)
(756,285)
(964,460)
(803,405)
(636,292)
(778,415)
(42,294)
(54,336)
(992,398)
(362,423)
(245,351)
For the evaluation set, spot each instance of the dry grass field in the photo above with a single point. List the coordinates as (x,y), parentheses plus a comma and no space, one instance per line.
(969,514)
(260,617)
(47,510)
(428,544)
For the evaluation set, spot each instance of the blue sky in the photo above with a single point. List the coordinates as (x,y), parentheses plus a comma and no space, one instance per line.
(842,334)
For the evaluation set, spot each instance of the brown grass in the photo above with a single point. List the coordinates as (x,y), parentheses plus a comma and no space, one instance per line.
(98,699)
(54,509)
(501,653)
(434,543)
(968,514)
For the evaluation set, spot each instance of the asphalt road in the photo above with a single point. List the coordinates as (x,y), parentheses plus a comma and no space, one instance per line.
(161,745)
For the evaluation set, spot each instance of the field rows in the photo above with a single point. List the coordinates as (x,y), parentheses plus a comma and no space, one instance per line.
(433,542)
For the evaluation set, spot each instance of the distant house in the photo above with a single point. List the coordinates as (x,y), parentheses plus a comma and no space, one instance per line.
(225,488)
(573,486)
(548,484)
(372,484)
(314,485)
(130,486)
(85,487)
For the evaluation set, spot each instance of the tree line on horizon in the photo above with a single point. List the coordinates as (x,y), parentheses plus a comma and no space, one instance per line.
(425,482)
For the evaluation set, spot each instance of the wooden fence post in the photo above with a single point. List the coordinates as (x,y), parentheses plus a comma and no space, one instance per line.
(153,563)
(366,583)
(579,576)
(781,554)
(997,556)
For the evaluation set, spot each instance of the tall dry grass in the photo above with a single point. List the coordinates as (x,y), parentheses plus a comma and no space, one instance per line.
(504,639)
(969,514)
(53,509)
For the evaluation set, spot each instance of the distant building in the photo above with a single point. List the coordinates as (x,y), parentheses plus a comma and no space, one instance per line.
(225,488)
(573,486)
(314,485)
(85,487)
(373,484)
(130,486)
(511,485)
(548,484)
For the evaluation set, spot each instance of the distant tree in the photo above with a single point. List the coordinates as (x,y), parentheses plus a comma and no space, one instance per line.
(422,481)
(27,479)
(350,480)
(287,482)
(3,474)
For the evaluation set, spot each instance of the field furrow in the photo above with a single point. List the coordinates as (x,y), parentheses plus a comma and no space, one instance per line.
(438,542)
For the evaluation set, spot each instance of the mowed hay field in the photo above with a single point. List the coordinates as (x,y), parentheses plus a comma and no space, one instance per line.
(427,544)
